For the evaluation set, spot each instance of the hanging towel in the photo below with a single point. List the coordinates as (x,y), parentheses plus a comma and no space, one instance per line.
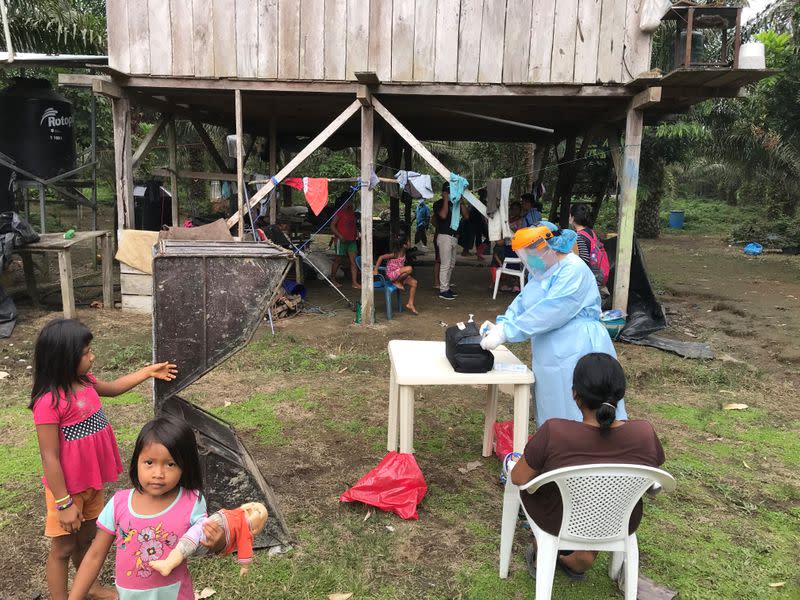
(457,186)
(492,196)
(315,189)
(498,222)
(415,184)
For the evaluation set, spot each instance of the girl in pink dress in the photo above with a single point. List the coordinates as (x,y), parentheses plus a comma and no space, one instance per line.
(77,444)
(397,271)
(146,522)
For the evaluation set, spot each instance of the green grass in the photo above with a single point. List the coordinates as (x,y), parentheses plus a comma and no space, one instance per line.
(287,354)
(706,216)
(257,414)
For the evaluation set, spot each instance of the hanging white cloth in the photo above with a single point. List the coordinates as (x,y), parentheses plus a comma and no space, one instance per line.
(498,221)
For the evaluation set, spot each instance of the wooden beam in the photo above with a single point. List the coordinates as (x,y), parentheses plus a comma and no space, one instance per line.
(367,78)
(363,95)
(240,160)
(367,164)
(209,144)
(123,164)
(645,99)
(321,138)
(273,166)
(172,149)
(423,152)
(627,207)
(559,90)
(106,87)
(149,139)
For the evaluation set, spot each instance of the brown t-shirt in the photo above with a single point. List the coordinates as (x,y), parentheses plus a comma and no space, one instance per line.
(562,443)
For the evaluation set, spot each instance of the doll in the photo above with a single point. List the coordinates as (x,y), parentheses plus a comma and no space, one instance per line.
(240,525)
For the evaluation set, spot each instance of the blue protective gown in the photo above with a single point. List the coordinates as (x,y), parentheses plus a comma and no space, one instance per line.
(561,316)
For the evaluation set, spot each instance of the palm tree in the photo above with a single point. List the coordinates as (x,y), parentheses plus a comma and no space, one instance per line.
(55,26)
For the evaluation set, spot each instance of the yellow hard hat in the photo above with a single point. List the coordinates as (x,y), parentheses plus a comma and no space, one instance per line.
(531,236)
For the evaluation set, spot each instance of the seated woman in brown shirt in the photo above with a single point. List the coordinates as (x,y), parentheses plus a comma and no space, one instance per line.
(598,383)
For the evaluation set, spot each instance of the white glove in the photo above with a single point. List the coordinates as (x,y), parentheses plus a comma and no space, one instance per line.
(494,338)
(486,327)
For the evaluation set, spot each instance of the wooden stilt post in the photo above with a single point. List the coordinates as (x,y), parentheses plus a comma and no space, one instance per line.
(367,160)
(172,148)
(627,207)
(123,163)
(240,162)
(393,158)
(273,167)
(629,182)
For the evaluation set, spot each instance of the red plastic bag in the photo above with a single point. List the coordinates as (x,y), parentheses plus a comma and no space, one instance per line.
(395,485)
(504,438)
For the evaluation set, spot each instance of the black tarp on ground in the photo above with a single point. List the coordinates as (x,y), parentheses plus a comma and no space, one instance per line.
(8,314)
(645,314)
(209,299)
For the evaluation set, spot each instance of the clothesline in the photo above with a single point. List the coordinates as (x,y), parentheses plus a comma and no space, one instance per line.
(547,168)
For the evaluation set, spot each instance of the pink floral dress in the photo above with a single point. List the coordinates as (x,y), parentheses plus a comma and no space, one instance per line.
(393,267)
(142,538)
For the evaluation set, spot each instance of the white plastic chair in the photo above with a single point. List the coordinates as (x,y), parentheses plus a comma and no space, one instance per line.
(598,501)
(507,270)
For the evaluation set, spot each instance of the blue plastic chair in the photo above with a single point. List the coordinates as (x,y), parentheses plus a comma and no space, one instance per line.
(381,282)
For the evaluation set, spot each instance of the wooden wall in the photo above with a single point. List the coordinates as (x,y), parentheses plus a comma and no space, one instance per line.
(464,41)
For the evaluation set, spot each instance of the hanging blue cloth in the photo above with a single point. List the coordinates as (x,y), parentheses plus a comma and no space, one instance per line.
(457,186)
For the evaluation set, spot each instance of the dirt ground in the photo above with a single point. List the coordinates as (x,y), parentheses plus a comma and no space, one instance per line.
(747,309)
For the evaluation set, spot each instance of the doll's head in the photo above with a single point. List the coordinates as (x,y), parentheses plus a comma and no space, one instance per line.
(256,514)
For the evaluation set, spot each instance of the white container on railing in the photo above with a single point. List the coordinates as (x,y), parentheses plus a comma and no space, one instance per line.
(751,56)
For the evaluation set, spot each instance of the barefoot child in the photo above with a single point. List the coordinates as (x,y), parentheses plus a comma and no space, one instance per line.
(146,522)
(78,448)
(397,271)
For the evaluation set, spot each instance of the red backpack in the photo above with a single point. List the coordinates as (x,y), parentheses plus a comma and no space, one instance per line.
(598,257)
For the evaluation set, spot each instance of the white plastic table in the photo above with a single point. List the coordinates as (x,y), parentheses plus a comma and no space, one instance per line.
(416,363)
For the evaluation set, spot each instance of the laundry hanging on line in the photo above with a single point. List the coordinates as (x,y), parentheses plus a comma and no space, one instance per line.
(457,186)
(315,189)
(415,184)
(498,221)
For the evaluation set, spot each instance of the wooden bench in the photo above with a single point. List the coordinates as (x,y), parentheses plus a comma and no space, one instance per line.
(55,243)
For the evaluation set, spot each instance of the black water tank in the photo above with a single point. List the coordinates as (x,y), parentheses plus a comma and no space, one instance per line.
(36,127)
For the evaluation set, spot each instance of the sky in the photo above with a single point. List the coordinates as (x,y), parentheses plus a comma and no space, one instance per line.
(756,6)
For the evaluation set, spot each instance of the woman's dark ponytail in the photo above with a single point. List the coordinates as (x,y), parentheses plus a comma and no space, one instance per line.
(606,414)
(599,382)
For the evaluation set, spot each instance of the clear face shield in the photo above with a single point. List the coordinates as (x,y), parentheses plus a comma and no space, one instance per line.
(539,258)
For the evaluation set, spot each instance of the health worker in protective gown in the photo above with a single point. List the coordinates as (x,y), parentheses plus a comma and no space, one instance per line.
(559,311)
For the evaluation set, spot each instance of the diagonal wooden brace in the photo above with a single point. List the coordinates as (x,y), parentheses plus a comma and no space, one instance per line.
(301,156)
(424,153)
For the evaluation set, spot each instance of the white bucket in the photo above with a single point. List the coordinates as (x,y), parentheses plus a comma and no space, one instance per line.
(751,56)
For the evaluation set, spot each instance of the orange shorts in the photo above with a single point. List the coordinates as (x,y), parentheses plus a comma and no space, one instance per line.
(91,503)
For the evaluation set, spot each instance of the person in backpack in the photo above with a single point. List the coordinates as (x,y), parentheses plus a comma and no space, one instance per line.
(590,248)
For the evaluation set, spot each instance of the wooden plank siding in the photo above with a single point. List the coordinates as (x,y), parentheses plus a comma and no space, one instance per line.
(203,37)
(267,39)
(565,32)
(609,57)
(469,40)
(160,37)
(493,31)
(224,24)
(437,41)
(403,18)
(517,41)
(288,39)
(182,29)
(542,23)
(246,14)
(312,34)
(587,42)
(335,39)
